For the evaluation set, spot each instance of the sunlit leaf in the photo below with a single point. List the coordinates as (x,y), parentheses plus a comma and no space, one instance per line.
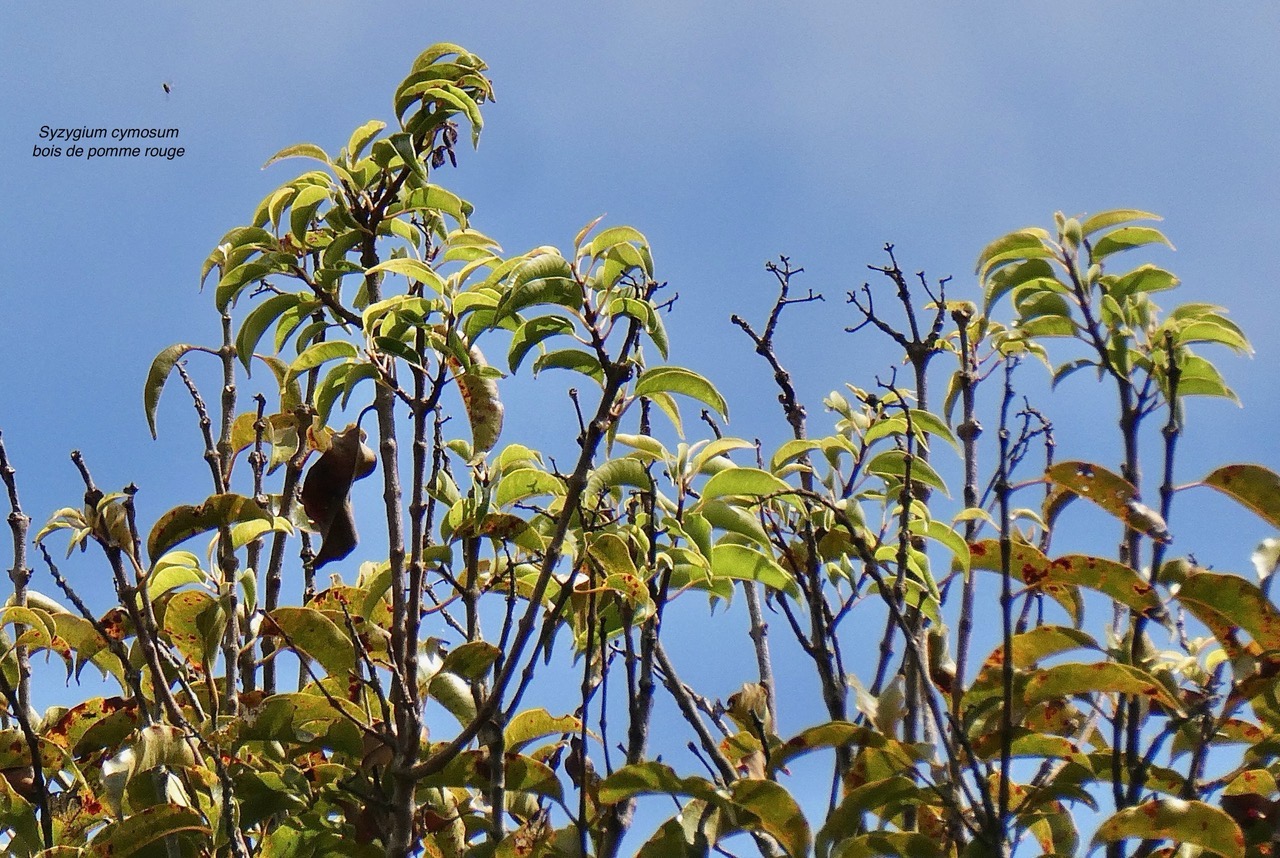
(674,379)
(1178,820)
(183,522)
(1252,486)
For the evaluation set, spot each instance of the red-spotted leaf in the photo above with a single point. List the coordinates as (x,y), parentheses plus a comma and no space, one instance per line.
(184,522)
(1073,678)
(1253,486)
(1108,490)
(1225,602)
(1190,822)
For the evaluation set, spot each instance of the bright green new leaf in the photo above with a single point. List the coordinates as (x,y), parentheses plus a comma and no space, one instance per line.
(675,379)
(743,563)
(893,464)
(748,482)
(1127,238)
(412,269)
(1113,217)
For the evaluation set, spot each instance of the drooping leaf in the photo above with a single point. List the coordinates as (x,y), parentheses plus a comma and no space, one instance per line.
(161,367)
(480,398)
(777,811)
(326,492)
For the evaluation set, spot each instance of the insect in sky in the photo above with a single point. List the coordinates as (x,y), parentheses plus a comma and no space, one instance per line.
(167,86)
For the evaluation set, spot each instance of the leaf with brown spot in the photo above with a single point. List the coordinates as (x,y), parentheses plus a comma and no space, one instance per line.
(326,493)
(1105,488)
(1223,602)
(1253,486)
(480,398)
(1075,678)
(1192,822)
(183,522)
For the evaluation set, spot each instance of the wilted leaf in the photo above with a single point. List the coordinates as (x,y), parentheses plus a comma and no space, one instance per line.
(326,493)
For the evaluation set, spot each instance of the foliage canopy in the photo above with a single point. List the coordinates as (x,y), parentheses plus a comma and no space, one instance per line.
(362,300)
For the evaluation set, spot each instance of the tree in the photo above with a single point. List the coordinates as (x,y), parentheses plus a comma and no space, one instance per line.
(506,573)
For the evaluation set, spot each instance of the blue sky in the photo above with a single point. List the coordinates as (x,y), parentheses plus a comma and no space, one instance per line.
(727,132)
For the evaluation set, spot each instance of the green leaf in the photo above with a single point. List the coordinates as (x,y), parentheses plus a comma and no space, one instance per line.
(533,724)
(779,815)
(675,379)
(320,353)
(1183,822)
(362,136)
(1025,243)
(299,150)
(412,269)
(302,210)
(1127,238)
(261,318)
(1113,217)
(183,522)
(1251,486)
(313,634)
(533,332)
(1073,678)
(893,464)
(139,829)
(616,473)
(571,359)
(471,659)
(743,563)
(161,367)
(653,779)
(749,482)
(524,483)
